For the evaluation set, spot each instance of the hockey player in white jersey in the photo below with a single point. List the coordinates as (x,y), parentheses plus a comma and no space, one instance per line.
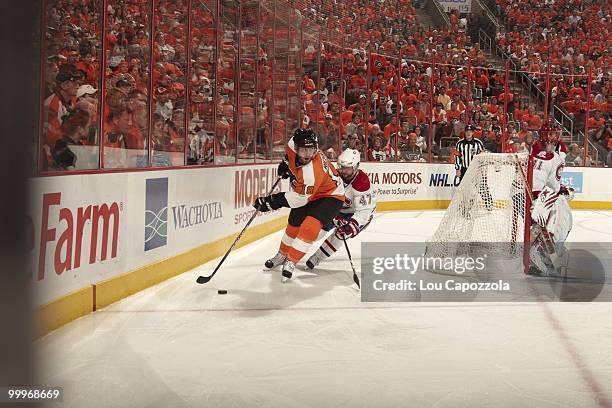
(547,163)
(550,213)
(357,212)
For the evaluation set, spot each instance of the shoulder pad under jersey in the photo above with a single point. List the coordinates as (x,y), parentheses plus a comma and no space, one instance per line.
(361,182)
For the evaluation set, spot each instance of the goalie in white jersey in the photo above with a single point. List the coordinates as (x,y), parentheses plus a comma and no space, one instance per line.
(357,211)
(550,213)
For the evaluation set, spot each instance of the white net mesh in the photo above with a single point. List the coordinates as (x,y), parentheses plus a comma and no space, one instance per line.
(487,212)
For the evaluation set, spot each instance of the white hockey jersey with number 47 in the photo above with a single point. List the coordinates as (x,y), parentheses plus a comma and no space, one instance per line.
(360,200)
(547,168)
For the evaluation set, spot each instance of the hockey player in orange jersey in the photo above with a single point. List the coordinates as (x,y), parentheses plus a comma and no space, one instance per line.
(315,197)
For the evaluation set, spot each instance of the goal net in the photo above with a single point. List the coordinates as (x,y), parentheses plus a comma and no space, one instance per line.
(488,212)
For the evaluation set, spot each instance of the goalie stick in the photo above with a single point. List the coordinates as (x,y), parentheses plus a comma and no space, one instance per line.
(204,279)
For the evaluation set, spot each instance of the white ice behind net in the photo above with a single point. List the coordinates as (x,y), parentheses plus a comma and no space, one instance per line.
(487,211)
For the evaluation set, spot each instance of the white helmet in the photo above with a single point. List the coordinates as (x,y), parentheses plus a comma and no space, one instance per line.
(349,158)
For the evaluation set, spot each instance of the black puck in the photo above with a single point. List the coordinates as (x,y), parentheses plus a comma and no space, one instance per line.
(222,292)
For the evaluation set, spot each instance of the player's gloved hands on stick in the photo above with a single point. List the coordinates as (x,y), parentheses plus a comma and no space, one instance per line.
(271,202)
(283,169)
(348,230)
(339,221)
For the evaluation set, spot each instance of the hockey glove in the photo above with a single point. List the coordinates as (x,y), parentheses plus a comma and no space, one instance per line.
(348,230)
(339,221)
(283,169)
(567,191)
(271,202)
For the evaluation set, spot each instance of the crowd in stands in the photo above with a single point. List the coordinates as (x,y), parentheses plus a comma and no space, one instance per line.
(391,117)
(72,52)
(399,91)
(365,75)
(574,38)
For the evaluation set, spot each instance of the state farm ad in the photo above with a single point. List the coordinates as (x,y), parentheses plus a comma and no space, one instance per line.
(87,228)
(77,233)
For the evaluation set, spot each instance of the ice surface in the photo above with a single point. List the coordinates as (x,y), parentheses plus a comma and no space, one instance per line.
(311,343)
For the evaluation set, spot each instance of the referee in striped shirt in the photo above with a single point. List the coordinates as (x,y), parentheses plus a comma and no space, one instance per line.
(467,147)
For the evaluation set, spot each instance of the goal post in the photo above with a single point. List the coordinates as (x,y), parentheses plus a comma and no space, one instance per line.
(490,210)
(528,204)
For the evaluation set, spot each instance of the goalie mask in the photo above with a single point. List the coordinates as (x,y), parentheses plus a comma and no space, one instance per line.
(348,164)
(549,137)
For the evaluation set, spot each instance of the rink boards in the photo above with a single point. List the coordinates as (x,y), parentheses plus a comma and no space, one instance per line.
(97,238)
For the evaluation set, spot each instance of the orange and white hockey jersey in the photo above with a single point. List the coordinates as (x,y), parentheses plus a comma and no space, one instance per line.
(317,179)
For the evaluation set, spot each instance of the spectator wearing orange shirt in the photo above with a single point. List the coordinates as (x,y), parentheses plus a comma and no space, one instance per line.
(137,133)
(481,81)
(531,120)
(575,90)
(574,106)
(596,122)
(460,105)
(117,128)
(416,115)
(59,104)
(453,114)
(391,127)
(309,85)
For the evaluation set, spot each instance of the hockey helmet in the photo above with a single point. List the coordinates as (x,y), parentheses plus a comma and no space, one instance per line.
(348,163)
(548,134)
(305,138)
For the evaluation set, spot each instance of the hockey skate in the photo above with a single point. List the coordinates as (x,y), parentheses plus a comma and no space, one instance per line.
(277,260)
(313,261)
(287,273)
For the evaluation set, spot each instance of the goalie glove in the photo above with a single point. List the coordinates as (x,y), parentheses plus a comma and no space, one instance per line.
(567,191)
(348,230)
(271,202)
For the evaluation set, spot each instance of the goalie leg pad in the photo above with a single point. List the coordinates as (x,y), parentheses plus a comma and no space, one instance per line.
(539,258)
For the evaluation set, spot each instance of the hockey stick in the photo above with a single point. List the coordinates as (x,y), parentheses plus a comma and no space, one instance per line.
(205,279)
(355,278)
